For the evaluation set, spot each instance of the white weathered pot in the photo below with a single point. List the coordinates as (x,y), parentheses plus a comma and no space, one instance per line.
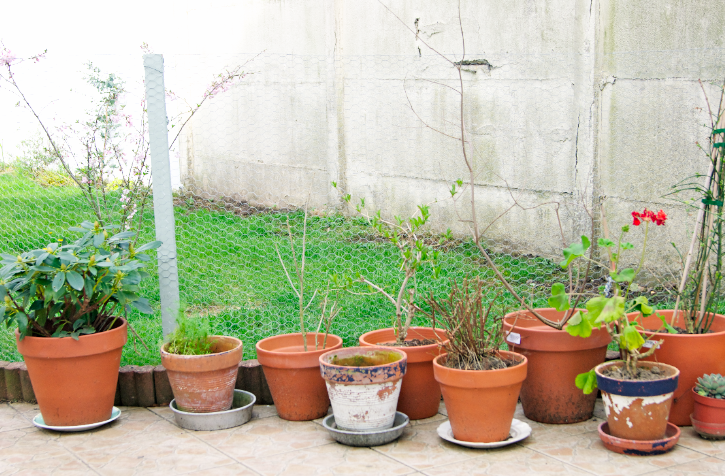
(364,385)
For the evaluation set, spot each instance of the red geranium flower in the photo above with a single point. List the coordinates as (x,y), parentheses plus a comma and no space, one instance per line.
(649,216)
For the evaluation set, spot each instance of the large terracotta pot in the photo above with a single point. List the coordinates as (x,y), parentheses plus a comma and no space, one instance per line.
(293,375)
(693,354)
(74,380)
(555,358)
(420,395)
(708,417)
(637,409)
(481,403)
(364,386)
(204,383)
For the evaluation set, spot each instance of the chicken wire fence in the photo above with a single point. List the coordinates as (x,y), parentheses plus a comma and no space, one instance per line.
(263,137)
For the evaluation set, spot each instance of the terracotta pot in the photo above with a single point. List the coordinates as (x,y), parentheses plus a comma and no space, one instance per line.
(693,354)
(481,403)
(708,416)
(637,409)
(364,385)
(204,383)
(74,380)
(420,395)
(555,358)
(293,375)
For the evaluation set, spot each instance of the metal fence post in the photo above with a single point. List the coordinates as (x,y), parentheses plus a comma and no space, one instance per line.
(163,199)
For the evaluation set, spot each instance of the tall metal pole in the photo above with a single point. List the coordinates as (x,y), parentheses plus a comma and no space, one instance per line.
(163,199)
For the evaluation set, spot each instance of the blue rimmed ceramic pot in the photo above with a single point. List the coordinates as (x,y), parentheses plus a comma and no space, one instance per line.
(364,385)
(637,409)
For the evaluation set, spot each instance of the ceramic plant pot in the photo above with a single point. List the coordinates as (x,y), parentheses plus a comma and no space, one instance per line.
(293,375)
(637,409)
(364,385)
(74,380)
(420,394)
(708,416)
(694,354)
(481,403)
(204,383)
(555,358)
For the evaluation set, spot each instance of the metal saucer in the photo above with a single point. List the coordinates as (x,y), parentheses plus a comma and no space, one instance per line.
(239,414)
(366,438)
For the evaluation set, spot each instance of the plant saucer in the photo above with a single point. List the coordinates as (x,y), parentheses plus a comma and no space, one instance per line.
(38,421)
(640,447)
(519,431)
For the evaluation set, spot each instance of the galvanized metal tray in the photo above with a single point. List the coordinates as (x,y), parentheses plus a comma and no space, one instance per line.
(239,414)
(366,438)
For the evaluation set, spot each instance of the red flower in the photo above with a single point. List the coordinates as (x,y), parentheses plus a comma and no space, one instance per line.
(649,216)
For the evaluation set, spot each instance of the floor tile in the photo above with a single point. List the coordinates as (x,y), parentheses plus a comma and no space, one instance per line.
(234,469)
(690,439)
(265,437)
(707,466)
(11,419)
(331,459)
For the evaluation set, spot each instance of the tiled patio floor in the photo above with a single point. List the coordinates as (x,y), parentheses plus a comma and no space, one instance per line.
(146,441)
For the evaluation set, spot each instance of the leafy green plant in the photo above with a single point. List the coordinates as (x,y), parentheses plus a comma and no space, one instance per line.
(712,386)
(73,288)
(611,306)
(191,337)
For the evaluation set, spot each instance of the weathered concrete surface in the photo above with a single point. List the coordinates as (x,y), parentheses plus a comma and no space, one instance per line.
(577,102)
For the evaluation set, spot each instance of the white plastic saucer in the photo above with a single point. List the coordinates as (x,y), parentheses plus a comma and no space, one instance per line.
(519,431)
(38,421)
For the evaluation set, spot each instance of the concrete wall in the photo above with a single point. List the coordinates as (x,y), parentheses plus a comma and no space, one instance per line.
(582,102)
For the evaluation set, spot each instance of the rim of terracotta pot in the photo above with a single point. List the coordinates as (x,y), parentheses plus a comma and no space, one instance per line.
(89,344)
(535,335)
(709,401)
(481,378)
(353,375)
(273,351)
(420,353)
(719,322)
(207,362)
(637,388)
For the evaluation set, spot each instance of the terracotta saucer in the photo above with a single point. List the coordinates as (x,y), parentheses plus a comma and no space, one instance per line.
(640,447)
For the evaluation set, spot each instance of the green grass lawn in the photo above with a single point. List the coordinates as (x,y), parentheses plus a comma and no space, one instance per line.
(229,272)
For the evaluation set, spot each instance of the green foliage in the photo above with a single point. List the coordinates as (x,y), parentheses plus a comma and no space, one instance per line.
(191,337)
(712,386)
(73,288)
(586,381)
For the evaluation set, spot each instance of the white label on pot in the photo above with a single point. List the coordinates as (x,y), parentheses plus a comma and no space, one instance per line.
(651,343)
(513,338)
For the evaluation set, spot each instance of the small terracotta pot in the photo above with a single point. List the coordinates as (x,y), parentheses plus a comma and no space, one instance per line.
(481,403)
(708,417)
(694,354)
(364,398)
(420,394)
(637,409)
(74,380)
(555,358)
(204,383)
(293,375)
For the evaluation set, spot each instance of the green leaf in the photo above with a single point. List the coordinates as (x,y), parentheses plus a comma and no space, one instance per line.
(641,304)
(559,299)
(669,328)
(579,325)
(98,240)
(149,246)
(624,276)
(586,382)
(121,236)
(605,242)
(75,280)
(708,201)
(718,131)
(574,251)
(603,309)
(631,338)
(142,304)
(58,281)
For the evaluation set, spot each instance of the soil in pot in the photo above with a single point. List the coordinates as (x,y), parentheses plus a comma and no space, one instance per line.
(205,383)
(75,380)
(420,394)
(364,397)
(481,403)
(637,408)
(293,375)
(555,358)
(693,354)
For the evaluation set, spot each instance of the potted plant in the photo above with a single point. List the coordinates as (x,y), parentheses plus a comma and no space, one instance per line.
(480,383)
(364,385)
(202,368)
(637,395)
(695,339)
(291,361)
(66,300)
(420,395)
(708,416)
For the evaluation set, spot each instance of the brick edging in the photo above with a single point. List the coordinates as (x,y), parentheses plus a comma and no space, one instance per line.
(138,386)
